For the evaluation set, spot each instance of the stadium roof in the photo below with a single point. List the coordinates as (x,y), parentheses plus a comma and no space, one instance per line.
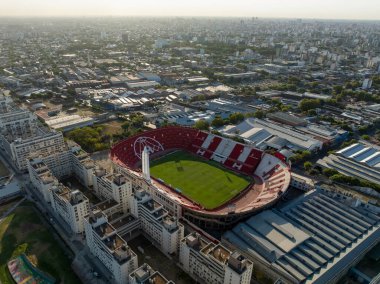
(310,240)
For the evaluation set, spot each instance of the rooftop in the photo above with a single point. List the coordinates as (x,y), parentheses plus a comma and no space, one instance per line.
(307,237)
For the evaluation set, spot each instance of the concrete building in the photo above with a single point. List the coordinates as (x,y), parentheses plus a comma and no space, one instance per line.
(164,229)
(71,205)
(19,149)
(16,122)
(263,133)
(20,134)
(41,177)
(69,122)
(82,164)
(301,182)
(146,275)
(315,238)
(112,186)
(45,169)
(104,243)
(207,262)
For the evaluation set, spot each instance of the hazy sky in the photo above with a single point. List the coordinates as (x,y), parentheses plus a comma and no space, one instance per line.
(328,9)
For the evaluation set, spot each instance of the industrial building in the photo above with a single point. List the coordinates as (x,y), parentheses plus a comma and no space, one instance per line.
(263,133)
(69,122)
(357,160)
(313,239)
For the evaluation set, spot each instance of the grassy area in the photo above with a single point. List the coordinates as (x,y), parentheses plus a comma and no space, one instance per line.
(113,127)
(23,232)
(205,182)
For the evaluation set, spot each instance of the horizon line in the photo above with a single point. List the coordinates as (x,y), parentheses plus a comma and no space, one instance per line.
(184,16)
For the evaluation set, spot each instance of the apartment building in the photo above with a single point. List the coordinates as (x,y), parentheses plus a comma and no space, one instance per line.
(19,149)
(41,177)
(104,243)
(112,186)
(145,274)
(156,222)
(207,262)
(82,164)
(71,205)
(45,169)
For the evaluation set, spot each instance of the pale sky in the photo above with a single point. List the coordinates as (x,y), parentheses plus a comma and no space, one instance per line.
(322,9)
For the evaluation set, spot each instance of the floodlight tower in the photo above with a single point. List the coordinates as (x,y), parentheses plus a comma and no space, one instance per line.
(145,164)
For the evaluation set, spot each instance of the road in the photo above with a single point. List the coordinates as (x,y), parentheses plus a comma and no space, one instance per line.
(10,210)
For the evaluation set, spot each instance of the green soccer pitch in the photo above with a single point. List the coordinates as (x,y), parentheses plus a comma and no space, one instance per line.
(202,181)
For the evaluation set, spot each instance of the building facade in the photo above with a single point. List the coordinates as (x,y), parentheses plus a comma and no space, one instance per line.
(71,205)
(104,243)
(207,262)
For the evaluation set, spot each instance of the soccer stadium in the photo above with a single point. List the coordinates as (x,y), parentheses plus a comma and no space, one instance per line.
(209,180)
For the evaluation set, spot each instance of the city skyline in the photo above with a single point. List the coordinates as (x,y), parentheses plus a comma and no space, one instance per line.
(313,9)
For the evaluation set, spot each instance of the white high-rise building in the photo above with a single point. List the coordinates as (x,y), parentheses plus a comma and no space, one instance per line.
(156,223)
(104,243)
(71,205)
(82,165)
(41,177)
(20,149)
(112,186)
(367,84)
(72,161)
(208,262)
(20,134)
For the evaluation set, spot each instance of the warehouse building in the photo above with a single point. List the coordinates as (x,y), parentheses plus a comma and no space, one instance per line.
(358,160)
(313,239)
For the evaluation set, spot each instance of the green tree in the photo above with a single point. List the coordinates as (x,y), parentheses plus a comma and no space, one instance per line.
(236,117)
(307,166)
(308,104)
(217,122)
(366,137)
(202,125)
(330,172)
(259,114)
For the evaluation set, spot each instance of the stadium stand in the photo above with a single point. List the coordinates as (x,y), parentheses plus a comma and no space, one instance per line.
(270,174)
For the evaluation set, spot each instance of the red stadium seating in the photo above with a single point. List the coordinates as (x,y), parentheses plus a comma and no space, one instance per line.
(271,174)
(176,137)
